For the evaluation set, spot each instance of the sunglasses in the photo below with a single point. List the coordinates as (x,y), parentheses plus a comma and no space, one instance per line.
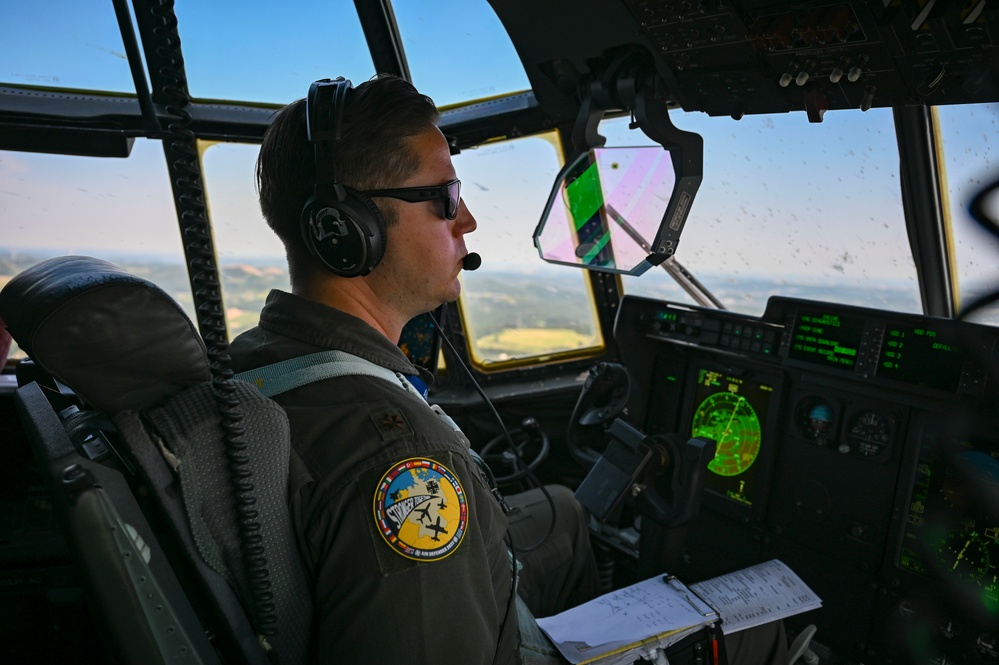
(448,193)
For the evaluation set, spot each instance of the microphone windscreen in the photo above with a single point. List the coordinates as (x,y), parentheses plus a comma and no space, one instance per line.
(472,261)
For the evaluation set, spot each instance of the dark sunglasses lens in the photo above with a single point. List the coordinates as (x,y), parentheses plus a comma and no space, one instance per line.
(452,200)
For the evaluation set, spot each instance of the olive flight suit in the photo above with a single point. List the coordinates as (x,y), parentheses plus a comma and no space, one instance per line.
(401,536)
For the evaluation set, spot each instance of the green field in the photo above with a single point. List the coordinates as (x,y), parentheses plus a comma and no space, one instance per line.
(521,342)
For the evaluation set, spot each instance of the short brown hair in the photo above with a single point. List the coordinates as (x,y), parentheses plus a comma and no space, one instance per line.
(372,153)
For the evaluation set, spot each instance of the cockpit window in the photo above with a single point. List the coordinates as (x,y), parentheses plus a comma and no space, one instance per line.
(119,210)
(458,51)
(969,134)
(251,258)
(792,208)
(79,47)
(266,52)
(516,306)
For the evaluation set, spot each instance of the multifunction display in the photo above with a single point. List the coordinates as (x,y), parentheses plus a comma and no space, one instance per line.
(827,339)
(888,348)
(732,410)
(921,355)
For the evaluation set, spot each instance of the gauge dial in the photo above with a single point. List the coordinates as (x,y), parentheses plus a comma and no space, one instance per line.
(964,554)
(731,421)
(816,420)
(870,433)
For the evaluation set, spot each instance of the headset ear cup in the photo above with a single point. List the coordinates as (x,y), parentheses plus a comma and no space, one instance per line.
(374,224)
(347,236)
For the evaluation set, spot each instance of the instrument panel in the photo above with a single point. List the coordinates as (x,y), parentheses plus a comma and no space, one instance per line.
(859,446)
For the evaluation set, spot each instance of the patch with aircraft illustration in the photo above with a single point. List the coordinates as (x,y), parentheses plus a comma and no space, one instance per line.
(421,510)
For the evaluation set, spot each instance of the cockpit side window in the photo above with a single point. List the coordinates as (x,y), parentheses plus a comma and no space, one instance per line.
(119,210)
(251,258)
(516,306)
(968,137)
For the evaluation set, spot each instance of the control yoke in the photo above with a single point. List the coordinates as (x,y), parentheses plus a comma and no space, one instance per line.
(663,475)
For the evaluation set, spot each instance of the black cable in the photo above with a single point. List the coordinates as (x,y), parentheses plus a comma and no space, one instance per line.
(183,163)
(513,588)
(506,433)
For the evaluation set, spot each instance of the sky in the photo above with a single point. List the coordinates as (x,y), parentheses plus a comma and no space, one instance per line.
(780,195)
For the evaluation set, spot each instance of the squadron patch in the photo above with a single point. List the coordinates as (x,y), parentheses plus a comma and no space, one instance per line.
(421,509)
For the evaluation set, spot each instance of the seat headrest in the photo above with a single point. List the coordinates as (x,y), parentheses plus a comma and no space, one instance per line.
(118,340)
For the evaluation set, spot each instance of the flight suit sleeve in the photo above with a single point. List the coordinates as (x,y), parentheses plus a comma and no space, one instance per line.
(411,567)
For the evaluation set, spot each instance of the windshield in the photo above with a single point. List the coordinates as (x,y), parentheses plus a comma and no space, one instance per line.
(792,208)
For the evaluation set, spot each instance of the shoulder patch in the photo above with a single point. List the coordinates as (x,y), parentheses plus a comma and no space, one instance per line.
(421,510)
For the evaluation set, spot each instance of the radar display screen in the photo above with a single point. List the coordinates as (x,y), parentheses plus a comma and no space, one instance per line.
(826,339)
(950,532)
(920,355)
(732,411)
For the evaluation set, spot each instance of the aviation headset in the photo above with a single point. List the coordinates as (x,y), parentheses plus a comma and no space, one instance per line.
(341,227)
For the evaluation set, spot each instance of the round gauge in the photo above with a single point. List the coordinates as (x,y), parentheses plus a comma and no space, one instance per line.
(870,433)
(816,420)
(964,553)
(731,421)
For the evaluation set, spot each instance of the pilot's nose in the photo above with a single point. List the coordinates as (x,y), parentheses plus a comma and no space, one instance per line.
(464,222)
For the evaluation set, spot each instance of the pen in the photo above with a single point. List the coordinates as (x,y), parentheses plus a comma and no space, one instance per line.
(674,582)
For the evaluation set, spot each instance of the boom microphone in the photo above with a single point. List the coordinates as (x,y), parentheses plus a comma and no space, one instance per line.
(472,261)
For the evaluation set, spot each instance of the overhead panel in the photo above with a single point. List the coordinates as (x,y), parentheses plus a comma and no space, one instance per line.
(746,57)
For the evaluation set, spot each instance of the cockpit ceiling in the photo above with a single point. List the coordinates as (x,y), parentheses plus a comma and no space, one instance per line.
(736,57)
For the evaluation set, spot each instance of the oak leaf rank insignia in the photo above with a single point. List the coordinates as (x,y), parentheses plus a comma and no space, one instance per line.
(391,424)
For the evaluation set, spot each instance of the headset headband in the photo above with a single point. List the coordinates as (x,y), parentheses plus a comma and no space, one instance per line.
(323,118)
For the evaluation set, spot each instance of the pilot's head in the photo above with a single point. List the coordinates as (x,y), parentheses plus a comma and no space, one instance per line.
(373,152)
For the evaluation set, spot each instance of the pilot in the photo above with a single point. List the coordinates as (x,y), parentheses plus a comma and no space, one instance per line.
(407,546)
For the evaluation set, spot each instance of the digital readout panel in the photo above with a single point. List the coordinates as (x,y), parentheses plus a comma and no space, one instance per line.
(920,355)
(732,411)
(826,339)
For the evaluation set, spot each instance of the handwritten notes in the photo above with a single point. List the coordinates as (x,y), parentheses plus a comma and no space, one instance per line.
(635,621)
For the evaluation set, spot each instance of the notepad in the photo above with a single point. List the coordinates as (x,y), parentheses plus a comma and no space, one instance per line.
(756,595)
(633,622)
(650,614)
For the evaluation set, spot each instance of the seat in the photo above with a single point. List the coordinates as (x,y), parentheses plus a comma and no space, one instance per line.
(171,483)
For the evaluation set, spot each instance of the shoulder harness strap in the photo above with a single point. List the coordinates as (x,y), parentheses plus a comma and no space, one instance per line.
(288,374)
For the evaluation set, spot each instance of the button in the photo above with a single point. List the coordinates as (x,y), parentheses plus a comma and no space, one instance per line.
(726,340)
(745,344)
(709,338)
(756,346)
(714,325)
(727,328)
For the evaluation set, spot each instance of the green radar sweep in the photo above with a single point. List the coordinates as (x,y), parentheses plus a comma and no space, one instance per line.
(732,423)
